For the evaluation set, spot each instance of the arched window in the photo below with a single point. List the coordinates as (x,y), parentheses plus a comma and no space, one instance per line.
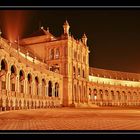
(119,95)
(3,65)
(21,80)
(112,95)
(83,74)
(75,55)
(51,54)
(13,77)
(2,74)
(74,72)
(37,85)
(56,89)
(50,89)
(43,87)
(29,77)
(78,71)
(90,93)
(57,54)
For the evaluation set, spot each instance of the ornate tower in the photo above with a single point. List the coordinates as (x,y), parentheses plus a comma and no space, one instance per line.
(75,69)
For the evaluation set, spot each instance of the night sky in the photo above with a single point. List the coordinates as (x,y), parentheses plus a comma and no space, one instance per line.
(113,34)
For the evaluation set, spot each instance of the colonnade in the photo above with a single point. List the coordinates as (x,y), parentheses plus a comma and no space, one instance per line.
(21,88)
(114,97)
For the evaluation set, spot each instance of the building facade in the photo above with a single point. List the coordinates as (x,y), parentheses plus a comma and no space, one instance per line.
(44,71)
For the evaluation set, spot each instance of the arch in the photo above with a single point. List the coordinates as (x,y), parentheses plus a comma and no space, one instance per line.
(57,53)
(21,81)
(50,88)
(101,94)
(29,78)
(21,75)
(4,65)
(90,93)
(74,72)
(112,95)
(83,74)
(37,85)
(95,94)
(119,95)
(78,71)
(75,55)
(43,86)
(3,71)
(56,89)
(135,95)
(124,95)
(51,54)
(13,78)
(107,94)
(13,70)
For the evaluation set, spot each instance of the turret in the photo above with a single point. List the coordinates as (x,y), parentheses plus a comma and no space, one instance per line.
(84,39)
(66,28)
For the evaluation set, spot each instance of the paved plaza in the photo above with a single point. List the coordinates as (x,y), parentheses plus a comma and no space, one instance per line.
(71,119)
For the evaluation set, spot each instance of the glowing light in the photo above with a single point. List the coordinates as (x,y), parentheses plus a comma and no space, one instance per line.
(13,23)
(103,80)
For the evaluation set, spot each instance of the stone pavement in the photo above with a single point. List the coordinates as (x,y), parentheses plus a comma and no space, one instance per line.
(71,119)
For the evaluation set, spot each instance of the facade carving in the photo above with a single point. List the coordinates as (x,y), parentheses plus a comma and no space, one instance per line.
(44,71)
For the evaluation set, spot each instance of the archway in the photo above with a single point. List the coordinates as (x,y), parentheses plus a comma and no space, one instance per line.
(36,85)
(56,89)
(3,72)
(29,77)
(21,81)
(43,86)
(50,89)
(13,78)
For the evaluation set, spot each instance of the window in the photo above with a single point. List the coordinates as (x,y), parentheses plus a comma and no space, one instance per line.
(13,87)
(78,71)
(51,54)
(57,54)
(21,88)
(83,74)
(74,72)
(3,85)
(75,55)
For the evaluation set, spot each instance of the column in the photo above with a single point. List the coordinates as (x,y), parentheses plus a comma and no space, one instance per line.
(32,88)
(7,80)
(17,84)
(53,91)
(25,86)
(46,91)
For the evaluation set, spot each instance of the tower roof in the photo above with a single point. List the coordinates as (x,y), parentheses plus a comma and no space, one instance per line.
(84,35)
(66,23)
(39,36)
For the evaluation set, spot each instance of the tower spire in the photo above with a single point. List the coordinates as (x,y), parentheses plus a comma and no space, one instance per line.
(84,39)
(66,27)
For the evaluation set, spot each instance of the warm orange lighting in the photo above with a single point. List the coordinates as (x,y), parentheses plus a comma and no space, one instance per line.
(14,22)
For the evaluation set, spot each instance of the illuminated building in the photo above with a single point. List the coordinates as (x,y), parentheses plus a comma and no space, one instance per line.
(44,71)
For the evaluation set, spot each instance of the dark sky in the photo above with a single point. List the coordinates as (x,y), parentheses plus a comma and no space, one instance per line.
(113,34)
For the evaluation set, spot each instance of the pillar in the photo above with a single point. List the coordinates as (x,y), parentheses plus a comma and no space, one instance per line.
(25,86)
(17,84)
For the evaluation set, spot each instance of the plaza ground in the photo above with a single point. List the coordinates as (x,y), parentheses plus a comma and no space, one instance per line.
(106,118)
